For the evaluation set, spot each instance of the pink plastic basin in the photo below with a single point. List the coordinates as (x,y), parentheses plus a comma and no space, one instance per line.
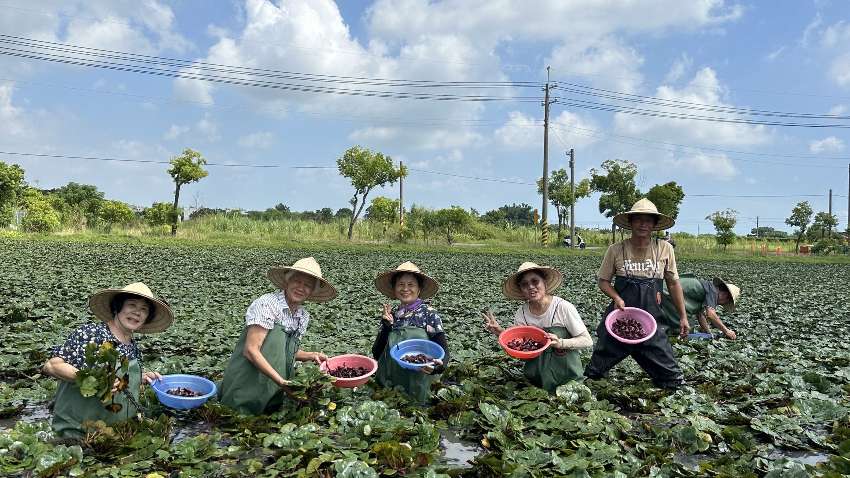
(645,318)
(522,332)
(350,360)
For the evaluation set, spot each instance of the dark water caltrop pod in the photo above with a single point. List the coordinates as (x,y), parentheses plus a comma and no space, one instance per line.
(526,344)
(629,328)
(183,392)
(417,358)
(345,371)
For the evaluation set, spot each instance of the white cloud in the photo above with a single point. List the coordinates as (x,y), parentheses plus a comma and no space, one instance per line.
(704,89)
(606,61)
(774,54)
(835,39)
(840,70)
(207,128)
(714,165)
(175,131)
(830,144)
(680,67)
(258,140)
(525,132)
(11,116)
(838,110)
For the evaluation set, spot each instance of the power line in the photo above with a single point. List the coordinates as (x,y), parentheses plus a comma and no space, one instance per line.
(476,178)
(151,161)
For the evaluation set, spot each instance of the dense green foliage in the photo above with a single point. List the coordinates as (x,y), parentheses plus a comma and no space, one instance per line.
(780,390)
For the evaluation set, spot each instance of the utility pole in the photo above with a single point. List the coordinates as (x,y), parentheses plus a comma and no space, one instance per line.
(572,198)
(544,223)
(848,199)
(830,213)
(401,195)
(758,231)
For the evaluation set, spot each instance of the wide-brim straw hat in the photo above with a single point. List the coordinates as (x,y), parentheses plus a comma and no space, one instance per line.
(323,292)
(551,276)
(644,206)
(734,292)
(161,319)
(384,281)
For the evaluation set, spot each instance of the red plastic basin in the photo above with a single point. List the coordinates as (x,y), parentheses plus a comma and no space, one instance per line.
(522,332)
(350,360)
(645,318)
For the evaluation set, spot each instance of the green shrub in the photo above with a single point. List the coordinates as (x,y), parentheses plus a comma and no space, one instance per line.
(40,215)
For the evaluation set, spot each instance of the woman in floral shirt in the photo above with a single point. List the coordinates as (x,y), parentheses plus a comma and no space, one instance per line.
(412,318)
(122,312)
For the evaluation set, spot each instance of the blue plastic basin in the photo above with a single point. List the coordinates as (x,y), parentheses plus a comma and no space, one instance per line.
(192,382)
(700,336)
(416,346)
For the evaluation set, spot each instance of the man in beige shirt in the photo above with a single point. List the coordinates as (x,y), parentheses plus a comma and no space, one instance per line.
(638,267)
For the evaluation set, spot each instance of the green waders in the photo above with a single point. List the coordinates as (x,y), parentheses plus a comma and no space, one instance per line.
(248,390)
(390,374)
(655,356)
(72,409)
(553,367)
(694,295)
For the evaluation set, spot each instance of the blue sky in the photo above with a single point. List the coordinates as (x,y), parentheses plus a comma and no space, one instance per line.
(791,56)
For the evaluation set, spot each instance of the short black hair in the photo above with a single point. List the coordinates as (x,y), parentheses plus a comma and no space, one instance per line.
(655,218)
(117,303)
(394,278)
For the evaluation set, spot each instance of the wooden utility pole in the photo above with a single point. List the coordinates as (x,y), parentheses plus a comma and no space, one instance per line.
(572,198)
(544,222)
(848,199)
(758,231)
(401,195)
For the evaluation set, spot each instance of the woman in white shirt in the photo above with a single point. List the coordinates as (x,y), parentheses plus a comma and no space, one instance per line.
(560,363)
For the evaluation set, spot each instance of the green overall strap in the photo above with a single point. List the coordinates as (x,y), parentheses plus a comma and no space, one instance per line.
(694,295)
(72,409)
(554,367)
(390,374)
(250,391)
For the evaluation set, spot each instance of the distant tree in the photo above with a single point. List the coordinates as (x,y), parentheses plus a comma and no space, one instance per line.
(12,187)
(205,211)
(40,215)
(724,225)
(324,215)
(452,220)
(186,168)
(767,232)
(420,219)
(115,212)
(281,207)
(616,182)
(160,214)
(800,217)
(78,203)
(343,212)
(667,198)
(825,221)
(510,215)
(367,170)
(496,217)
(383,210)
(560,195)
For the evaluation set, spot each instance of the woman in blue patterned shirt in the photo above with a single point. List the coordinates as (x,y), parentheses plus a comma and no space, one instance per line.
(412,318)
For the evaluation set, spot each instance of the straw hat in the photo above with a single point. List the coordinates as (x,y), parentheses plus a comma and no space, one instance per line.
(552,276)
(734,292)
(644,206)
(162,317)
(324,291)
(384,281)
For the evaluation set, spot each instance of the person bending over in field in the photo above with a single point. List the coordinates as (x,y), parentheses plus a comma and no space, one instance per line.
(560,363)
(701,300)
(412,318)
(640,265)
(256,378)
(122,312)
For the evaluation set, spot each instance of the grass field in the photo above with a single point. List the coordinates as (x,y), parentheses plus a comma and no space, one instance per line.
(773,403)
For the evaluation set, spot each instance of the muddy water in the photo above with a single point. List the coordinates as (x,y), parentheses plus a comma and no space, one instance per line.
(805,457)
(31,413)
(457,453)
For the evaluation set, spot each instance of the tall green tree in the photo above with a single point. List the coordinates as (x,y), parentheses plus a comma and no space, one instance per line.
(383,210)
(160,214)
(560,194)
(667,198)
(76,202)
(366,169)
(186,168)
(724,225)
(800,217)
(616,182)
(40,215)
(453,220)
(12,186)
(825,222)
(115,212)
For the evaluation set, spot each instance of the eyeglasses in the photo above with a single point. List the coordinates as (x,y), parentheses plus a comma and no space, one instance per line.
(525,284)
